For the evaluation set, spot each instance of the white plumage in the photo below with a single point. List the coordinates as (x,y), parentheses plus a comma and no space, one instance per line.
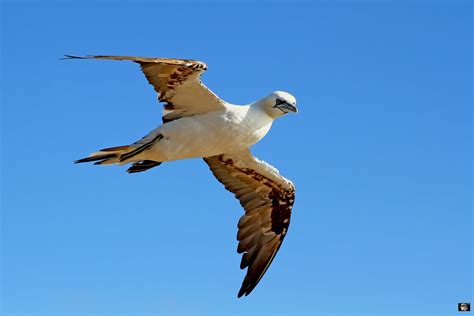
(197,123)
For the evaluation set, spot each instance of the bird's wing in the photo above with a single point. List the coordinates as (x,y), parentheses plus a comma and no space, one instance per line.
(267,198)
(178,84)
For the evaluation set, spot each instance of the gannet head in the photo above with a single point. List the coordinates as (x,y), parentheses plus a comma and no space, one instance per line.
(278,103)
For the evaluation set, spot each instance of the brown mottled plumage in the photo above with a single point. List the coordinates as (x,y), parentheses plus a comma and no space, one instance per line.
(267,199)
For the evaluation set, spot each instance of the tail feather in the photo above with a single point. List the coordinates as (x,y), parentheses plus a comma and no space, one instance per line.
(141,148)
(107,156)
(118,148)
(125,154)
(143,165)
(96,158)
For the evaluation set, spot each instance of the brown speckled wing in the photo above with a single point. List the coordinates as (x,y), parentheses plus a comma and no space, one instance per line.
(178,84)
(267,198)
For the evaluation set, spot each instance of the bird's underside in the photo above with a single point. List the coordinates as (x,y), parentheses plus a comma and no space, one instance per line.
(265,195)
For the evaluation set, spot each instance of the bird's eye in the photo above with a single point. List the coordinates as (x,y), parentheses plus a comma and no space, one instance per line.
(279,101)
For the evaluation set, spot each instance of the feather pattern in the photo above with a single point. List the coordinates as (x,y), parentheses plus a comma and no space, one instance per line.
(177,82)
(267,198)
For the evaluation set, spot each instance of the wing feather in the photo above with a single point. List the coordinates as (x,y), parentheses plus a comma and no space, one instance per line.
(267,198)
(178,84)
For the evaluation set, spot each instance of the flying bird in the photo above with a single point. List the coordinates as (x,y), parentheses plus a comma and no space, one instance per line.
(198,124)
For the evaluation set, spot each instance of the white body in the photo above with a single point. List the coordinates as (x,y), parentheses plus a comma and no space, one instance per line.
(207,135)
(223,129)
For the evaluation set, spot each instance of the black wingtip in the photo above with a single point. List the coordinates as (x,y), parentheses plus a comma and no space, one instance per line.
(77,57)
(246,288)
(242,293)
(71,57)
(244,262)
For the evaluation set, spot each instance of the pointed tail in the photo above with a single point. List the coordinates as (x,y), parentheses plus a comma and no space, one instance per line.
(124,154)
(107,156)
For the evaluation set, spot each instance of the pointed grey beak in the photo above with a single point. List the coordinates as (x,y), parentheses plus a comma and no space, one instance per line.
(286,107)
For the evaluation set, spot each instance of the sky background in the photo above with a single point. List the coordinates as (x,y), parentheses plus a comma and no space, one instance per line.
(380,153)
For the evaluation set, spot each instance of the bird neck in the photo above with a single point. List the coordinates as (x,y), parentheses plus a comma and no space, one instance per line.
(259,112)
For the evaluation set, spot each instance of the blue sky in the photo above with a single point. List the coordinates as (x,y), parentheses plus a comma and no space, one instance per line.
(380,154)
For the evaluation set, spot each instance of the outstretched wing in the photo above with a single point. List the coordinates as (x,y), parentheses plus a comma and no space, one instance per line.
(178,84)
(267,198)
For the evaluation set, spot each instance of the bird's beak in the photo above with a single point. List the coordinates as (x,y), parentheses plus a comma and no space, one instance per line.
(286,107)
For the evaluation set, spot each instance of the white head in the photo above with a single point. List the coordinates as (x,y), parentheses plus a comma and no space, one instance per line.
(278,103)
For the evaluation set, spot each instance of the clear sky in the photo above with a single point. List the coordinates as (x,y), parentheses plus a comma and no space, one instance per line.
(380,154)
